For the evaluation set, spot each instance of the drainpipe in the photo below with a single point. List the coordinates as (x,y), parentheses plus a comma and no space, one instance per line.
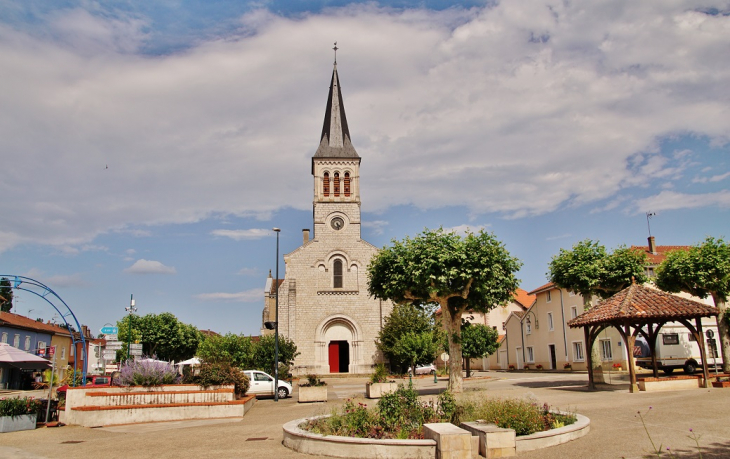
(565,337)
(522,333)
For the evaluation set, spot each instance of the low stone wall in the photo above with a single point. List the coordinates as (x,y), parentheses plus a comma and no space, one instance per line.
(320,445)
(105,406)
(377,390)
(669,383)
(554,437)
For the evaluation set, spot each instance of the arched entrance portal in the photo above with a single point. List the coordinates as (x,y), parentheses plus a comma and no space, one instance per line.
(339,346)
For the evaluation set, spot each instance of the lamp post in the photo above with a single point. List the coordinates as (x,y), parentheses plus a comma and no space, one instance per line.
(276,330)
(131,310)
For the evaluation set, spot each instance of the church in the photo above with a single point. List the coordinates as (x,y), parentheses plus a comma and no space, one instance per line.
(324,305)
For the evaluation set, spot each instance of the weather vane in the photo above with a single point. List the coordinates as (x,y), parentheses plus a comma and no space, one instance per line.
(335,48)
(648,216)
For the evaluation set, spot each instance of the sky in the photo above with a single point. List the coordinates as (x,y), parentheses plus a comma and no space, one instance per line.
(148,148)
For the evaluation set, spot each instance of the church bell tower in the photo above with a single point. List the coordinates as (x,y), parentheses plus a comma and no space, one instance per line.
(336,171)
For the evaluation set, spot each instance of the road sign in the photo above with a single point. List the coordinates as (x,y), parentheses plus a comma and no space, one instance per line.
(114,345)
(52,351)
(135,346)
(109,330)
(109,355)
(136,352)
(445,357)
(111,337)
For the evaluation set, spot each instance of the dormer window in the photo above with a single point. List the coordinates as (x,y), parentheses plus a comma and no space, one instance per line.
(347,184)
(326,190)
(337,184)
(337,274)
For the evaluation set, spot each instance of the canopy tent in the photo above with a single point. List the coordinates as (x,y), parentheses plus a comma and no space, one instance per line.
(193,361)
(642,310)
(21,359)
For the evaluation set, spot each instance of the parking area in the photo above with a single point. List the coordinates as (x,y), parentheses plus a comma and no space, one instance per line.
(616,429)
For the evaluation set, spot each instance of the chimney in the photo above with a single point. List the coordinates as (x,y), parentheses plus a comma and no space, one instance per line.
(652,245)
(305,235)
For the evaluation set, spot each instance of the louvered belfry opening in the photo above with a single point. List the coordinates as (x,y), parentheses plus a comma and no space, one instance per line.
(326,187)
(337,184)
(347,184)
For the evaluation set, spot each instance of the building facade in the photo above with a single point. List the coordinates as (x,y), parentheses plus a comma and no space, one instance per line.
(324,305)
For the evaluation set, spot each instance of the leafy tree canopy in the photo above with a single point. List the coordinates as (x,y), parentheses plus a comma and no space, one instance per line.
(416,348)
(478,340)
(474,271)
(6,295)
(405,318)
(238,350)
(589,269)
(162,335)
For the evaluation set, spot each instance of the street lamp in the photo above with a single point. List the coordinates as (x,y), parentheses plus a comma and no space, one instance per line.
(276,330)
(131,310)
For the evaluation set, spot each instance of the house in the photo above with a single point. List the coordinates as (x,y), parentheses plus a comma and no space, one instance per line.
(495,318)
(26,334)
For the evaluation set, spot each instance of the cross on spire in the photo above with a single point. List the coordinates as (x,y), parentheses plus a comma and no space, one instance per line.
(335,48)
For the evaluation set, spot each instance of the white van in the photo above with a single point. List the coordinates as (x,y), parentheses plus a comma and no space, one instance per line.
(677,348)
(261,383)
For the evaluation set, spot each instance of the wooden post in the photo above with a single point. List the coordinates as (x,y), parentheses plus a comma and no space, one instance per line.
(629,341)
(703,353)
(589,349)
(652,348)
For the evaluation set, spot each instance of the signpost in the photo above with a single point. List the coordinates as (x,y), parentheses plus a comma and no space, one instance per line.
(111,337)
(109,354)
(109,330)
(114,345)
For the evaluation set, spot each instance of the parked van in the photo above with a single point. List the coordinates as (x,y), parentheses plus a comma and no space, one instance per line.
(677,348)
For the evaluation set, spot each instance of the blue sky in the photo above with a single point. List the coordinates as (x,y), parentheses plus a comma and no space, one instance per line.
(149,147)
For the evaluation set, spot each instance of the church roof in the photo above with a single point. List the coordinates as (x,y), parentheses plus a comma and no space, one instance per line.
(335,139)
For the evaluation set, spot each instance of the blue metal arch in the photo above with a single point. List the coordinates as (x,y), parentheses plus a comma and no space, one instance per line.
(37,288)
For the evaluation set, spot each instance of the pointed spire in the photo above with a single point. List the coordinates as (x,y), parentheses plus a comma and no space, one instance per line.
(335,139)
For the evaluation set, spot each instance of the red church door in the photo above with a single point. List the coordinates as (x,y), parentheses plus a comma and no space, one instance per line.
(334,354)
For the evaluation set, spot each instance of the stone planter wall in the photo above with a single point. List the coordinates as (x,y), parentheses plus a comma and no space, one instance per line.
(720,384)
(377,390)
(309,394)
(104,406)
(668,383)
(16,423)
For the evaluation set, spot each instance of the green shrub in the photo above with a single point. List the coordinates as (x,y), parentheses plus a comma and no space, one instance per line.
(380,375)
(521,415)
(218,374)
(400,411)
(312,381)
(19,406)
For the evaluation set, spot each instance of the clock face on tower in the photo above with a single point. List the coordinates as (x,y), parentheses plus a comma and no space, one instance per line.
(337,223)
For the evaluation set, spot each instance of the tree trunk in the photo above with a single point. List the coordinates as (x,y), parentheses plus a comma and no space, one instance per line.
(452,326)
(595,354)
(723,332)
(468,367)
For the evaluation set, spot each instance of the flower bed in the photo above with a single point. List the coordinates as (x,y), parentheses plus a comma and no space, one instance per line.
(18,414)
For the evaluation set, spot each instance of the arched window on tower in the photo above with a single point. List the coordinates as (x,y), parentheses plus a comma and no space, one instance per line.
(347,184)
(326,188)
(337,277)
(337,184)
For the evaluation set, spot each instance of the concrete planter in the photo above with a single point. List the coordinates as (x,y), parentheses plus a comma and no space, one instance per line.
(16,423)
(720,384)
(377,390)
(309,394)
(668,383)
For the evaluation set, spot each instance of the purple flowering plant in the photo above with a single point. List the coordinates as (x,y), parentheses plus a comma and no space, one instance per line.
(147,373)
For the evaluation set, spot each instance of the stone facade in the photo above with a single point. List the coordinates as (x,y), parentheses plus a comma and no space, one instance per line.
(324,305)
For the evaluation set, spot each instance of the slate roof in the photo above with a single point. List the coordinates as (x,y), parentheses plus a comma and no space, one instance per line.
(335,139)
(642,304)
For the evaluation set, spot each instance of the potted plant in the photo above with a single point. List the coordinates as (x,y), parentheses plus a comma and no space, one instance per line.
(617,366)
(313,390)
(526,367)
(567,366)
(538,366)
(721,382)
(511,368)
(379,384)
(18,414)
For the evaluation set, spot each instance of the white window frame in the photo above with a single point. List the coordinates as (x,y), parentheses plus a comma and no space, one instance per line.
(548,297)
(41,345)
(63,352)
(5,338)
(606,349)
(27,342)
(71,350)
(16,341)
(573,312)
(530,358)
(579,356)
(551,323)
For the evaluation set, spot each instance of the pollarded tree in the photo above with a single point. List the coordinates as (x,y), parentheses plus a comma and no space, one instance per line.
(588,269)
(458,273)
(478,341)
(702,270)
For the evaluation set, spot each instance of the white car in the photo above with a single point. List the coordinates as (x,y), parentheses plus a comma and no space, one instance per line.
(263,384)
(424,369)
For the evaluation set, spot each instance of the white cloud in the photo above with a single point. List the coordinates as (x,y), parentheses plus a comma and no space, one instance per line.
(468,109)
(248,272)
(143,266)
(377,226)
(247,296)
(58,280)
(238,235)
(714,178)
(670,200)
